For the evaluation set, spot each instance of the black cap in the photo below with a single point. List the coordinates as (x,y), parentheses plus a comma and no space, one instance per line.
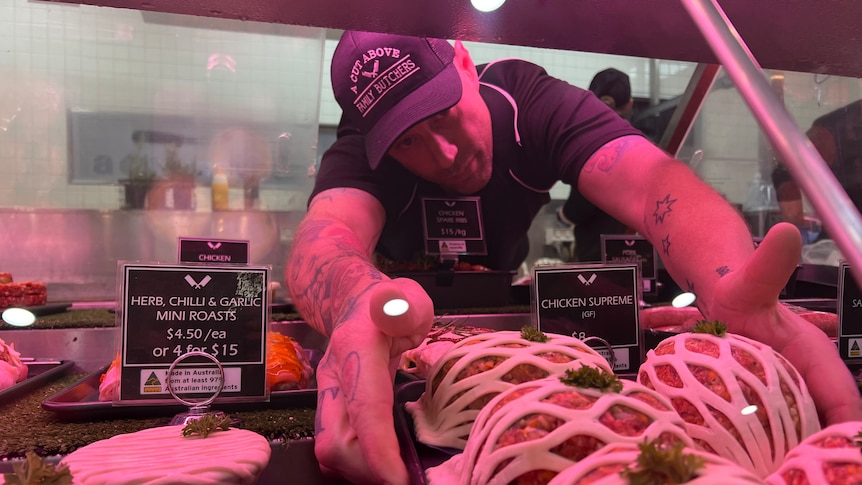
(387,83)
(612,85)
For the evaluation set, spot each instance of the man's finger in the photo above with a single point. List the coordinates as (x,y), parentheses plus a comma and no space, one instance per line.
(401,308)
(778,253)
(369,406)
(336,445)
(768,269)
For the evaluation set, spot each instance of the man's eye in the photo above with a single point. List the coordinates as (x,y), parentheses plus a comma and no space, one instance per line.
(443,113)
(406,142)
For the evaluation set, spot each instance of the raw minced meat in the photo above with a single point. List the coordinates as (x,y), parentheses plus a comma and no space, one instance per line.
(831,456)
(532,431)
(739,398)
(478,368)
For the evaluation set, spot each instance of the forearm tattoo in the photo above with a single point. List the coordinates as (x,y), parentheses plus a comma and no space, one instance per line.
(349,371)
(332,393)
(665,245)
(722,271)
(663,207)
(324,275)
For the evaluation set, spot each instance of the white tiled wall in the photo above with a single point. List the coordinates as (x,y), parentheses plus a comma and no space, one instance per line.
(56,57)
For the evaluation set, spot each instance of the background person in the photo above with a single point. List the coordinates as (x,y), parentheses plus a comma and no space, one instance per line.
(420,119)
(837,136)
(613,88)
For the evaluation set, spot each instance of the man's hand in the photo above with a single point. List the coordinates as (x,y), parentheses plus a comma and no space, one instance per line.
(355,435)
(747,300)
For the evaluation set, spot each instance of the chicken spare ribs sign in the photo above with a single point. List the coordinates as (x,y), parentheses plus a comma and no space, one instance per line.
(595,303)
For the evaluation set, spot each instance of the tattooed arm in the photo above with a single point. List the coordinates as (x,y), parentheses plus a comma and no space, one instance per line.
(332,281)
(708,249)
(672,208)
(330,265)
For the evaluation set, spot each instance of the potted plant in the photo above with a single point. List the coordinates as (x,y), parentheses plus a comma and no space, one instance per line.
(141,178)
(179,178)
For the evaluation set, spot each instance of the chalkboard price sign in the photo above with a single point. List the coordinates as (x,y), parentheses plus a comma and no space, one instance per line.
(453,226)
(849,315)
(592,301)
(169,311)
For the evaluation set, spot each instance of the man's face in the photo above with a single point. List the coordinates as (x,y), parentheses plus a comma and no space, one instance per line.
(452,148)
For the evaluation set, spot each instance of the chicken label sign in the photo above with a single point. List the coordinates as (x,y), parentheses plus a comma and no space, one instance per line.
(212,251)
(595,303)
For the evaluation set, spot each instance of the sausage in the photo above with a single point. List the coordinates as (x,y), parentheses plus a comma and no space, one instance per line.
(669,318)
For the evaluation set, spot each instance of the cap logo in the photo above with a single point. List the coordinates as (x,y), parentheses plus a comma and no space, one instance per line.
(380,83)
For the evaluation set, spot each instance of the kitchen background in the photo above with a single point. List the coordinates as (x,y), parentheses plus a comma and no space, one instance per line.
(94,100)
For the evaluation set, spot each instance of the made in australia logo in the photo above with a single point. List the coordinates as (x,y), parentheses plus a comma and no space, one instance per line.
(152,384)
(376,74)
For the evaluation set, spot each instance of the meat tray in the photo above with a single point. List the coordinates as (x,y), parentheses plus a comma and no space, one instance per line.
(39,371)
(417,456)
(81,400)
(463,289)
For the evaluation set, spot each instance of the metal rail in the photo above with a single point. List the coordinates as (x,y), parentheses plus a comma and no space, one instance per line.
(689,106)
(834,207)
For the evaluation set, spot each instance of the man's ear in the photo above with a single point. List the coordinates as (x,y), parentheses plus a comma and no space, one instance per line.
(463,61)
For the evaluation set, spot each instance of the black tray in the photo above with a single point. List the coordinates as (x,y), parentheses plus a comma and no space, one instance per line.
(39,371)
(417,456)
(463,289)
(81,400)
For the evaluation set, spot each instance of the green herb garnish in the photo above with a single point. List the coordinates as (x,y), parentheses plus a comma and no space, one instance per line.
(35,471)
(533,334)
(857,440)
(206,424)
(714,327)
(660,464)
(590,377)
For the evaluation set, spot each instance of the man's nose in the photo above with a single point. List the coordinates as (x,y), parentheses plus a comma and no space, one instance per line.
(443,151)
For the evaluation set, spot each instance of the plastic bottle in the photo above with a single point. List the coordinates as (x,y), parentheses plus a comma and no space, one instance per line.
(761,201)
(220,192)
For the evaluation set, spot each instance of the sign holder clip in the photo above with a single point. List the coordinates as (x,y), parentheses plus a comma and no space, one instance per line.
(197,409)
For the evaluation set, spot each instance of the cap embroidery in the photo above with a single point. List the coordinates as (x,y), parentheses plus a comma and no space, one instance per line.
(382,82)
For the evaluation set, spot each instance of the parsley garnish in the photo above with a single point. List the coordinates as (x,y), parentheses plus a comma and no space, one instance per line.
(714,327)
(589,377)
(35,471)
(206,424)
(660,464)
(533,334)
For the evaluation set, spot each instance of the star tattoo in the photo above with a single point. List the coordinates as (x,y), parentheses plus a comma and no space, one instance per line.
(662,208)
(723,270)
(665,245)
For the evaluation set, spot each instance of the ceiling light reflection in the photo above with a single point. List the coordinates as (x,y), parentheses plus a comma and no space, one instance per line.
(683,300)
(750,409)
(396,307)
(487,5)
(18,317)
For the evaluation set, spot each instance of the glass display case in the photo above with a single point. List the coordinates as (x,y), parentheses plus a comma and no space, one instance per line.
(117,117)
